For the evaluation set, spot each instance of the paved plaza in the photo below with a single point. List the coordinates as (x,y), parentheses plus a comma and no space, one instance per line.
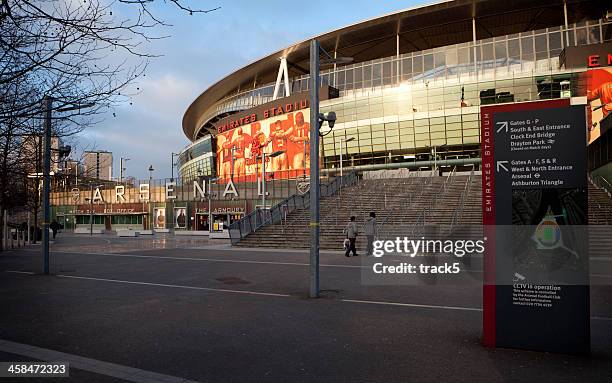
(187,309)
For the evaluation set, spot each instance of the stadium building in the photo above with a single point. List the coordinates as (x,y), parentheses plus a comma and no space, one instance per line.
(414,86)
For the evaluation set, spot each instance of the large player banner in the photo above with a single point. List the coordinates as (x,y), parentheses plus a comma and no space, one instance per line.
(534,177)
(239,151)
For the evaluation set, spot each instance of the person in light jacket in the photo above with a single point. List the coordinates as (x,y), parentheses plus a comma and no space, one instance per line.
(369,229)
(351,233)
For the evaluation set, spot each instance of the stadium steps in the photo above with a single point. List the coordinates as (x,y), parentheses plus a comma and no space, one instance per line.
(398,203)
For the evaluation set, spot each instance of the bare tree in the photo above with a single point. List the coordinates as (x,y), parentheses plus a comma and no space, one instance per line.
(76,52)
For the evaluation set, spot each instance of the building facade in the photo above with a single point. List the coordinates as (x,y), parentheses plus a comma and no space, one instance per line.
(415,85)
(98,165)
(410,99)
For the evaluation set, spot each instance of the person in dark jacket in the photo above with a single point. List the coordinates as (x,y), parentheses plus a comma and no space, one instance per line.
(54,226)
(351,233)
(369,229)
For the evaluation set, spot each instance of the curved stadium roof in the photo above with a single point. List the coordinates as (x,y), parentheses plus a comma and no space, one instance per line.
(425,27)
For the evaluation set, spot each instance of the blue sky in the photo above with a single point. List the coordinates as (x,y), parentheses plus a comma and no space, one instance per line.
(202,49)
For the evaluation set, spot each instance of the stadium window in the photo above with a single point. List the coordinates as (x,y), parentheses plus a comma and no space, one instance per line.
(500,51)
(417,64)
(376,75)
(428,62)
(487,52)
(367,76)
(387,71)
(358,74)
(463,56)
(541,47)
(606,31)
(594,35)
(407,68)
(340,79)
(581,36)
(349,79)
(527,48)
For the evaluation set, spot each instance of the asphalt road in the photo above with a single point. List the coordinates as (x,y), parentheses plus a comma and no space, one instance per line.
(242,316)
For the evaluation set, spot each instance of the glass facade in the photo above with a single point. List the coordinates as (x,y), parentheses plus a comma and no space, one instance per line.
(197,159)
(397,108)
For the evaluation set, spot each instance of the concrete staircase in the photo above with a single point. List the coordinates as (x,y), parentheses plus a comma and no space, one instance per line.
(600,206)
(398,204)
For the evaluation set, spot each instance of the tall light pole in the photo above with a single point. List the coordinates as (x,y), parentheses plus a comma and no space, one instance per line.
(172,163)
(122,168)
(263,175)
(46,184)
(151,206)
(48,105)
(210,196)
(314,169)
(315,122)
(91,210)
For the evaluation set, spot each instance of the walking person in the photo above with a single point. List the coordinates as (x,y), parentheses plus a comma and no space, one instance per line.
(54,226)
(351,233)
(369,230)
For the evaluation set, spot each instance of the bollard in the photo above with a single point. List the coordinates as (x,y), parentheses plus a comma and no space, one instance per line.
(28,229)
(4,230)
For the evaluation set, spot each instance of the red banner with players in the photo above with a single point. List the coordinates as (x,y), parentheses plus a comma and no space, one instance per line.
(285,137)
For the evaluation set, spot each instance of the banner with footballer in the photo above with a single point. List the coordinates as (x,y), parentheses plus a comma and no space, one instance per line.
(239,151)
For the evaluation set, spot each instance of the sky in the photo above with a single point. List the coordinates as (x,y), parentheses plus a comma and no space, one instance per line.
(202,49)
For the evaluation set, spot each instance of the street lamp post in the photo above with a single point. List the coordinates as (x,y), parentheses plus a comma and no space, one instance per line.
(172,163)
(91,210)
(314,169)
(152,206)
(315,122)
(46,183)
(263,178)
(47,105)
(122,168)
(210,195)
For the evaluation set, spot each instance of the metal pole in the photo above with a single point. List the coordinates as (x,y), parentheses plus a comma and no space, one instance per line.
(566,24)
(4,229)
(263,182)
(209,207)
(91,211)
(120,169)
(435,160)
(341,152)
(46,184)
(314,169)
(172,166)
(232,164)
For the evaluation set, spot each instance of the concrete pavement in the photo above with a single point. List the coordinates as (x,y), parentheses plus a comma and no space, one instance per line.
(212,314)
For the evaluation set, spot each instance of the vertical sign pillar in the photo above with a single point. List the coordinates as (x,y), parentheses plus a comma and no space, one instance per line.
(535,216)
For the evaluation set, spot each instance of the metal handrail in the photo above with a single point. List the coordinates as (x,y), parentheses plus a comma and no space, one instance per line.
(464,196)
(381,228)
(259,218)
(607,186)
